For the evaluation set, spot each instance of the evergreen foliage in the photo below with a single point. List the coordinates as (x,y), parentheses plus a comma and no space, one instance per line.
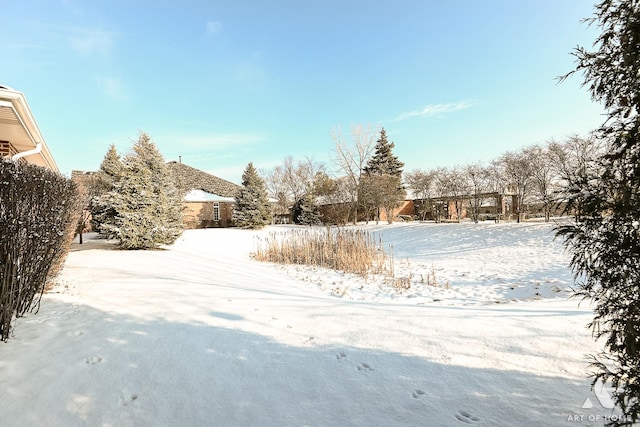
(109,173)
(252,209)
(146,204)
(383,161)
(38,213)
(605,241)
(381,183)
(306,212)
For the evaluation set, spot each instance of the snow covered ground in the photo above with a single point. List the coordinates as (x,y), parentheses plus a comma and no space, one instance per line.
(199,334)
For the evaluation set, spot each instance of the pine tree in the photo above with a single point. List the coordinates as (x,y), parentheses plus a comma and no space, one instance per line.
(605,241)
(252,209)
(147,204)
(167,207)
(109,172)
(306,212)
(383,176)
(383,161)
(111,166)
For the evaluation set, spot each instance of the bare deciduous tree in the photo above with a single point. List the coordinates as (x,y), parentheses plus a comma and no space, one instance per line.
(573,158)
(441,192)
(351,158)
(457,189)
(277,189)
(477,178)
(543,177)
(290,182)
(421,183)
(518,172)
(89,187)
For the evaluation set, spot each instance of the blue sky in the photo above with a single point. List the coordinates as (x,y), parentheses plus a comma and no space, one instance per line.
(223,83)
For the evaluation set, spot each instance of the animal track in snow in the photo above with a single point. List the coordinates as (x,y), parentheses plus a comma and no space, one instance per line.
(365,367)
(93,360)
(465,417)
(126,399)
(417,393)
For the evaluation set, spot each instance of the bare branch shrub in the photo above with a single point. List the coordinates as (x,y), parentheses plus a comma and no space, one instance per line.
(38,210)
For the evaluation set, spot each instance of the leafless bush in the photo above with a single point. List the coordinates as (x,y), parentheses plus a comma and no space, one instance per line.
(36,217)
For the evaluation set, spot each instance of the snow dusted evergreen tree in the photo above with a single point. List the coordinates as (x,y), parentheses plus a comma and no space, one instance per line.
(252,208)
(109,173)
(306,212)
(605,241)
(383,161)
(382,179)
(146,203)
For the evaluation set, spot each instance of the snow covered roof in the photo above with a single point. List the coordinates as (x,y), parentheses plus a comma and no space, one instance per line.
(188,177)
(18,127)
(204,196)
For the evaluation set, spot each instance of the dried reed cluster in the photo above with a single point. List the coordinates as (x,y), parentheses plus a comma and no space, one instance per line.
(351,251)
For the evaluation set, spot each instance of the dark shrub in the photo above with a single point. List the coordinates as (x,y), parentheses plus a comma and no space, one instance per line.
(37,212)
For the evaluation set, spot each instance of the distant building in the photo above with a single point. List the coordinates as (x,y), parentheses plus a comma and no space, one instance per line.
(208,200)
(20,138)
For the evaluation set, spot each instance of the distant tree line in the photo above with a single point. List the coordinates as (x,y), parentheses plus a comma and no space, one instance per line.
(536,176)
(368,177)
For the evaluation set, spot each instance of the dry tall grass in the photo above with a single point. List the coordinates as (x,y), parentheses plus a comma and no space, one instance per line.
(351,251)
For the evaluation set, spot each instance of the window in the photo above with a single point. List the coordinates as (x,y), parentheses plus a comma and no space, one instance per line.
(216,211)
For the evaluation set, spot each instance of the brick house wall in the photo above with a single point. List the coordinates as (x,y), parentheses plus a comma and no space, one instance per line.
(201,214)
(406,208)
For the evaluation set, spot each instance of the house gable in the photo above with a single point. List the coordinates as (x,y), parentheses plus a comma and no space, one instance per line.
(208,199)
(189,178)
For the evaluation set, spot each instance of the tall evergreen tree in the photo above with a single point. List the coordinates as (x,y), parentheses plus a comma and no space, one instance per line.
(605,241)
(147,204)
(382,180)
(105,179)
(252,209)
(111,166)
(383,161)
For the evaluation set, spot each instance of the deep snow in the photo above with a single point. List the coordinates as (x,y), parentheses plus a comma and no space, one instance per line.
(200,334)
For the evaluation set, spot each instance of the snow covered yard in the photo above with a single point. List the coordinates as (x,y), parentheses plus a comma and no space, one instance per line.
(201,335)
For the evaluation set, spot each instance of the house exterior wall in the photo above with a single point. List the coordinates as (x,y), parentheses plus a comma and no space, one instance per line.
(444,208)
(406,208)
(200,215)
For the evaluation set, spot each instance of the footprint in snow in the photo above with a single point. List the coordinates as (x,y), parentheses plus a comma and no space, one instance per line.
(467,418)
(126,399)
(93,360)
(417,393)
(365,367)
